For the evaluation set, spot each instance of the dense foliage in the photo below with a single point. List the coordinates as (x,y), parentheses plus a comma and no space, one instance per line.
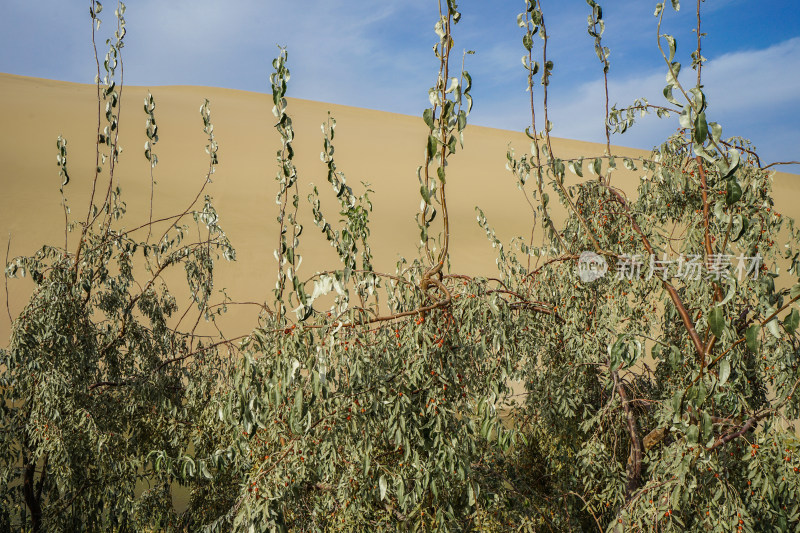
(635,370)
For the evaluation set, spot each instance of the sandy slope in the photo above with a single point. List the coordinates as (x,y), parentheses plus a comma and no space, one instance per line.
(383,149)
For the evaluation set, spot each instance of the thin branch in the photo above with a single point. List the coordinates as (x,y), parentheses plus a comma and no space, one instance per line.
(673,293)
(596,521)
(748,425)
(537,149)
(635,456)
(5,280)
(699,57)
(781,163)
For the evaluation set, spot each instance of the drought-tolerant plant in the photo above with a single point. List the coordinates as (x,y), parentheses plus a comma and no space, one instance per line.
(698,434)
(101,370)
(656,347)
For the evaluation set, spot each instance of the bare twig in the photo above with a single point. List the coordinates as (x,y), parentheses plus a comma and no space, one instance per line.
(748,425)
(781,163)
(5,279)
(635,456)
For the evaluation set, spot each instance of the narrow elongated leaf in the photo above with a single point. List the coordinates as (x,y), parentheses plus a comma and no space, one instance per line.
(772,327)
(692,434)
(527,42)
(673,73)
(733,193)
(382,487)
(700,128)
(707,425)
(427,116)
(724,371)
(727,168)
(794,291)
(791,321)
(715,130)
(616,355)
(576,167)
(740,226)
(716,321)
(672,46)
(204,470)
(431,146)
(298,401)
(597,166)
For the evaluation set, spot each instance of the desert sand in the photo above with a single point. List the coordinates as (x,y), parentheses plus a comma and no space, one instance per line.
(383,149)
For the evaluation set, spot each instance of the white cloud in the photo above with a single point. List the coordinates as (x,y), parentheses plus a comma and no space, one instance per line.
(755,79)
(338,51)
(753,94)
(378,55)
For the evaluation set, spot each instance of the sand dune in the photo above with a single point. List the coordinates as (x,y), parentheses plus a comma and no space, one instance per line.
(381,148)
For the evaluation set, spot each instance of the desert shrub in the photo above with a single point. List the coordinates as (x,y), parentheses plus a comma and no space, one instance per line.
(97,374)
(658,395)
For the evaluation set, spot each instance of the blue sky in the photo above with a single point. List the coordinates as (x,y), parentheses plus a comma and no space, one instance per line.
(378,55)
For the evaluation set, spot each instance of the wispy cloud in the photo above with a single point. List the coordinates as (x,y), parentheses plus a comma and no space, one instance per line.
(753,94)
(341,52)
(378,55)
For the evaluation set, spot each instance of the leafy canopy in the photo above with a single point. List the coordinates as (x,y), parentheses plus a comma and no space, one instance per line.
(656,392)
